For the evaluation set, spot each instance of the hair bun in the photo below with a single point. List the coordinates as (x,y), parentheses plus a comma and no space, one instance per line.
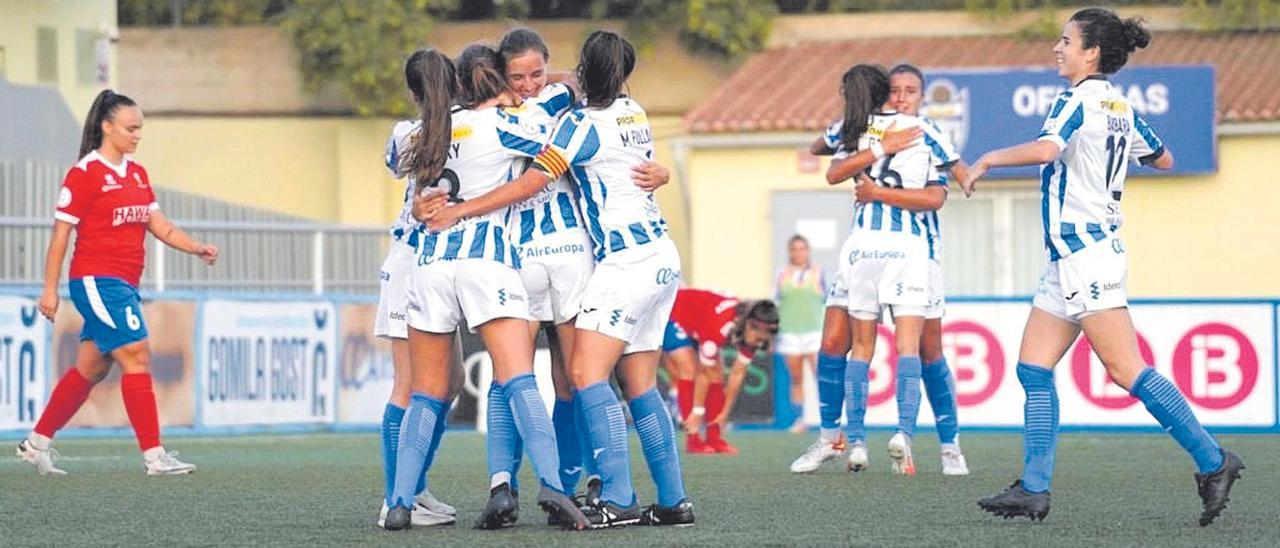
(1135,35)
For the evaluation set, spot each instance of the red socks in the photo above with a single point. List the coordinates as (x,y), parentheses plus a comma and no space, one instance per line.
(715,404)
(66,399)
(684,397)
(140,404)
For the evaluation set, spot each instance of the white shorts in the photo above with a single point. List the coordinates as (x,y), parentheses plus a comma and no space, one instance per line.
(937,293)
(555,270)
(887,269)
(397,268)
(837,289)
(442,294)
(798,344)
(631,293)
(1090,280)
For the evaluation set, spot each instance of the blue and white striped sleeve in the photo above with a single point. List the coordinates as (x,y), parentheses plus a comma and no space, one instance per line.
(831,137)
(575,141)
(1066,117)
(944,155)
(1147,146)
(521,136)
(554,100)
(397,143)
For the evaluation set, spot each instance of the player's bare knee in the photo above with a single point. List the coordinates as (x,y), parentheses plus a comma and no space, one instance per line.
(133,357)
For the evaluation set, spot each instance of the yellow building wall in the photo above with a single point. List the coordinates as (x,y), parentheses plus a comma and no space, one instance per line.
(1206,236)
(20,19)
(321,169)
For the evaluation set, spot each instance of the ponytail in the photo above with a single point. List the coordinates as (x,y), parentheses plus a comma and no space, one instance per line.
(1114,38)
(103,108)
(480,74)
(865,89)
(432,80)
(605,64)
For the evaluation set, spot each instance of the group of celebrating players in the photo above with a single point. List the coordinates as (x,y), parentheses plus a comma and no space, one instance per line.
(529,206)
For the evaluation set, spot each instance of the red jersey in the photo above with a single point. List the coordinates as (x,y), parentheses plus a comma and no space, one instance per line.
(707,317)
(110,207)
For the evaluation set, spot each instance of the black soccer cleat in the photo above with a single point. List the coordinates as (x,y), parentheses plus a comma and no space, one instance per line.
(398,518)
(1215,487)
(680,515)
(561,510)
(502,509)
(604,515)
(1016,501)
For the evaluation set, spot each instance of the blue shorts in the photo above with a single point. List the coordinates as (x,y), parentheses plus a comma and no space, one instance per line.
(675,338)
(111,310)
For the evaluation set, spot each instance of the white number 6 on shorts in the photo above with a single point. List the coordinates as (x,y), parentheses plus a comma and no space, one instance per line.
(132,319)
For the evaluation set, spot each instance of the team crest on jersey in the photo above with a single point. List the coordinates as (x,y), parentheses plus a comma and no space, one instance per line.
(947,105)
(111,184)
(138,179)
(131,214)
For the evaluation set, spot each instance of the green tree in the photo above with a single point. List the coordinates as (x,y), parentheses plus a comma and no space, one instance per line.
(727,27)
(199,12)
(361,45)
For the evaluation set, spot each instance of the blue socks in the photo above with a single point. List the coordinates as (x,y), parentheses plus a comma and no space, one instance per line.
(417,433)
(940,387)
(534,425)
(607,428)
(855,384)
(908,392)
(391,417)
(658,439)
(584,440)
(831,379)
(567,444)
(1170,409)
(503,442)
(1040,427)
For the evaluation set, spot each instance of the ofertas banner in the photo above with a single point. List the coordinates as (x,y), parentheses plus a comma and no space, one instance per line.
(983,110)
(1220,356)
(24,342)
(267,363)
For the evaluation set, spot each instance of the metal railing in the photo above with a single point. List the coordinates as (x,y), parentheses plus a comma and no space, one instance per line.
(255,257)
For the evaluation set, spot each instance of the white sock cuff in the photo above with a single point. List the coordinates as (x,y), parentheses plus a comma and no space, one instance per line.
(39,441)
(499,479)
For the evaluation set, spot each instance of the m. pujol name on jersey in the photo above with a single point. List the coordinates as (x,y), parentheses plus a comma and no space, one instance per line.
(131,214)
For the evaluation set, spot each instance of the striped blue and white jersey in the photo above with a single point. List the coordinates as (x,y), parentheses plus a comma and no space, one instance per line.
(488,150)
(598,147)
(403,228)
(1098,133)
(552,209)
(911,168)
(942,154)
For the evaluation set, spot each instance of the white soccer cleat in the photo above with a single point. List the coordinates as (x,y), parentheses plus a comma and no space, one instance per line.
(857,457)
(420,517)
(819,452)
(903,464)
(953,463)
(42,459)
(166,463)
(434,505)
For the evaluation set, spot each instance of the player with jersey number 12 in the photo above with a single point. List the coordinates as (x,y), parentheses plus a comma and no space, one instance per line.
(1091,133)
(108,200)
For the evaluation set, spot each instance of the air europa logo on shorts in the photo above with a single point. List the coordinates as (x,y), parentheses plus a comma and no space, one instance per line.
(666,276)
(131,214)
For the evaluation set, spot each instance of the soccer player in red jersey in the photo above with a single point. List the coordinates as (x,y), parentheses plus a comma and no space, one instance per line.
(107,199)
(711,321)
